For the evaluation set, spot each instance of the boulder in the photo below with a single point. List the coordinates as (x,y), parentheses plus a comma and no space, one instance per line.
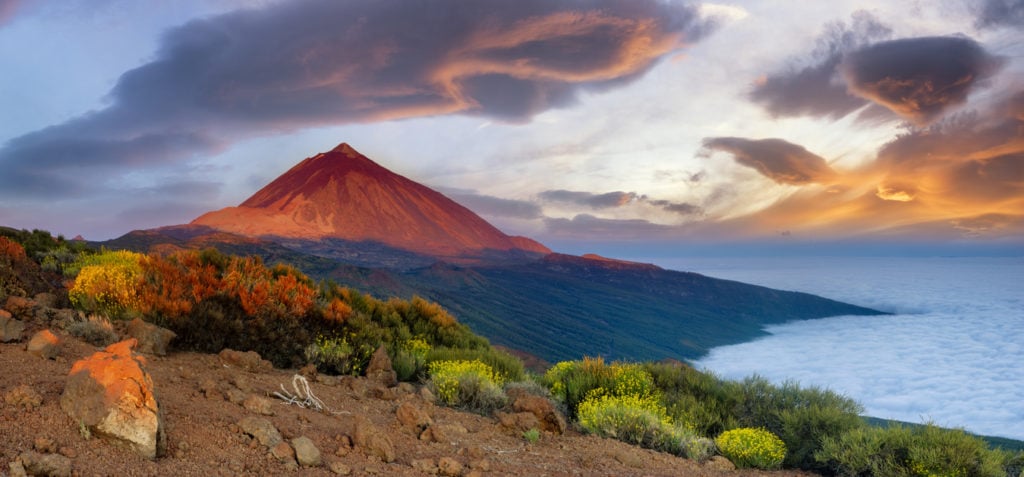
(549,418)
(152,339)
(372,440)
(111,394)
(411,416)
(283,452)
(306,452)
(20,307)
(10,328)
(262,429)
(449,467)
(44,344)
(45,300)
(52,465)
(380,368)
(247,360)
(518,421)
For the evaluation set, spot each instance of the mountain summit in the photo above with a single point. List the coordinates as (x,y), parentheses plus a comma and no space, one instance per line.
(344,195)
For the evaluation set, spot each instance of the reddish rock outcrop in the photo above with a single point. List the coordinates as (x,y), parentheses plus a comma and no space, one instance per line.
(44,344)
(111,393)
(152,339)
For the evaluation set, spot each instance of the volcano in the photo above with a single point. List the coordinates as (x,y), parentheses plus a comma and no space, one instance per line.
(342,194)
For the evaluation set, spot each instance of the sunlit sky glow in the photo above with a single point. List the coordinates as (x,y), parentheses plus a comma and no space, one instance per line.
(604,121)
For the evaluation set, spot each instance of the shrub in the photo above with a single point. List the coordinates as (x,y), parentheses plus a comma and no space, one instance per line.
(330,355)
(108,283)
(801,417)
(629,418)
(411,359)
(469,384)
(507,367)
(749,447)
(95,330)
(573,382)
(702,400)
(532,435)
(925,451)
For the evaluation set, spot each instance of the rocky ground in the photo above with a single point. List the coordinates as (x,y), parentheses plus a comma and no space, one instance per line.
(221,418)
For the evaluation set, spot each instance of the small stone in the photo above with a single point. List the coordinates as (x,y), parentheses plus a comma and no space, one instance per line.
(235,396)
(427,395)
(475,452)
(152,339)
(483,465)
(68,452)
(380,368)
(44,344)
(17,470)
(720,463)
(340,468)
(449,467)
(411,416)
(10,328)
(23,396)
(44,445)
(372,440)
(306,452)
(20,307)
(283,452)
(53,465)
(259,405)
(262,429)
(426,466)
(210,389)
(247,360)
(45,300)
(242,382)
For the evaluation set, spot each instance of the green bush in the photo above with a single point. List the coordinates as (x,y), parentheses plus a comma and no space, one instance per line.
(801,417)
(331,355)
(573,382)
(749,447)
(923,451)
(532,435)
(471,385)
(700,399)
(95,330)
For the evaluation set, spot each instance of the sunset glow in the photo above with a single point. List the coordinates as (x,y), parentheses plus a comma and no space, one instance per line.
(606,121)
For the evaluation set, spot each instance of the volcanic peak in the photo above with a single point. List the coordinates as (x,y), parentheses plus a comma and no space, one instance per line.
(342,194)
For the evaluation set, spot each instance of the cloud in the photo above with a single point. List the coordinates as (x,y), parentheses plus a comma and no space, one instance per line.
(617,199)
(999,13)
(777,159)
(309,63)
(495,206)
(918,78)
(816,89)
(586,225)
(589,199)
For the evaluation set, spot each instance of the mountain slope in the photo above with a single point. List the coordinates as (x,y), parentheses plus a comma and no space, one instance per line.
(344,195)
(339,215)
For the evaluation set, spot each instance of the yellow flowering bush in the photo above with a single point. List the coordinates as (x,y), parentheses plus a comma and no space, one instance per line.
(555,377)
(108,283)
(466,383)
(629,418)
(749,447)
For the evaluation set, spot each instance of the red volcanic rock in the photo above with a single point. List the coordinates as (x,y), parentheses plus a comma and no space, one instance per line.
(111,393)
(343,194)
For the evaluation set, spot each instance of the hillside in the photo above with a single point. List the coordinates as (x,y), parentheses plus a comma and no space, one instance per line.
(338,215)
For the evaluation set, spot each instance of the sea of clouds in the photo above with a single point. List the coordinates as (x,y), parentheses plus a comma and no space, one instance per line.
(952,354)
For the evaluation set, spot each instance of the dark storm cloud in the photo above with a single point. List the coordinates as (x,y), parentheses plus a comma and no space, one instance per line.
(778,160)
(999,13)
(495,206)
(309,63)
(816,89)
(918,78)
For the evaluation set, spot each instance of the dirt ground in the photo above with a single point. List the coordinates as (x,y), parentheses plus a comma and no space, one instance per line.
(195,392)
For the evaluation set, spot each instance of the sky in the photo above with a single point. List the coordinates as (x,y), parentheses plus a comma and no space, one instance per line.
(585,124)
